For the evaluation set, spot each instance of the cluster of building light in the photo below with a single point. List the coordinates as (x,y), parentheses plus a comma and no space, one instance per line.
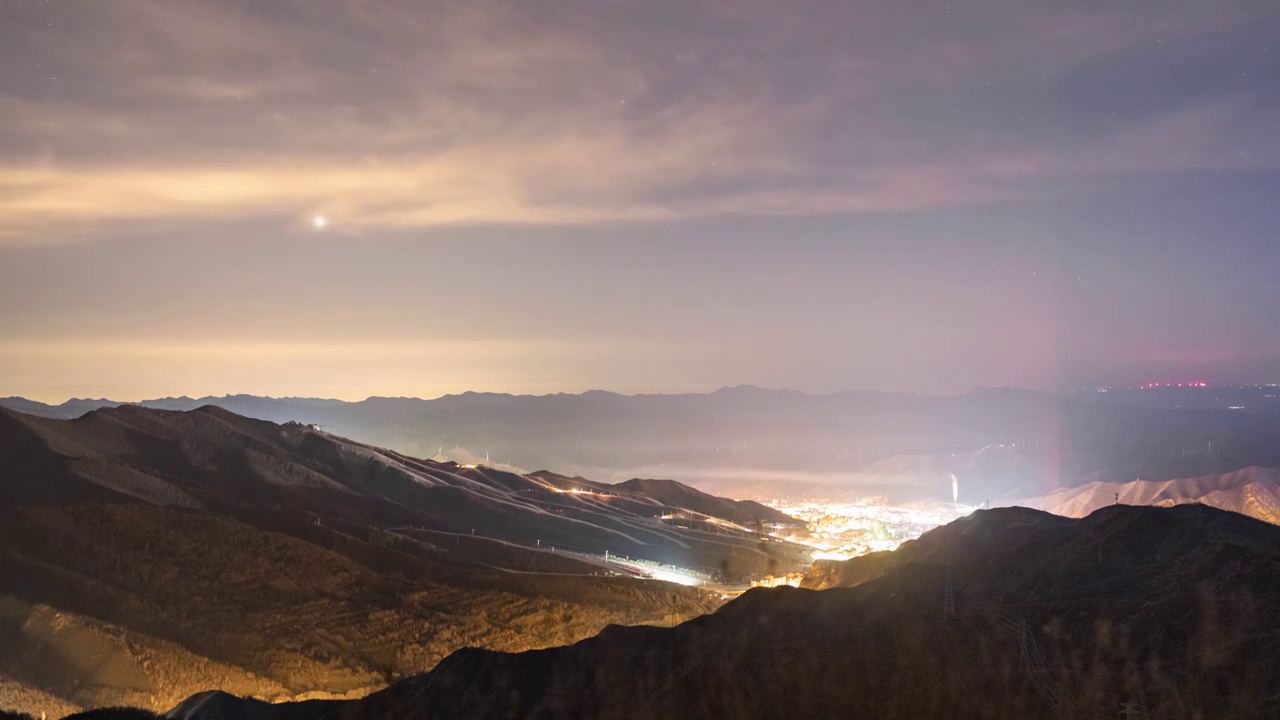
(773,581)
(842,529)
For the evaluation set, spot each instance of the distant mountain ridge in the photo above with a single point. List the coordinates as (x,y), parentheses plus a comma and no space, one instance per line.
(755,442)
(1252,491)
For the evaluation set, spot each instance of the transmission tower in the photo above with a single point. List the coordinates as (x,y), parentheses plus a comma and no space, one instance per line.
(948,600)
(1024,657)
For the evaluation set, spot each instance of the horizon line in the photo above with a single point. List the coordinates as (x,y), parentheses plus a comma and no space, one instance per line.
(740,386)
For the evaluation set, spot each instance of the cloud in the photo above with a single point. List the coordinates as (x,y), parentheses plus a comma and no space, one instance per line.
(222,350)
(532,174)
(353,367)
(394,116)
(558,176)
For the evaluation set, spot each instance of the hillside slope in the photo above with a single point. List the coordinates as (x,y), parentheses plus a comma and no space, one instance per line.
(982,534)
(205,548)
(1007,614)
(216,461)
(679,495)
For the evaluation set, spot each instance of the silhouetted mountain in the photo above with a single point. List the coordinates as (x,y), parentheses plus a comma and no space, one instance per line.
(748,441)
(979,535)
(1009,613)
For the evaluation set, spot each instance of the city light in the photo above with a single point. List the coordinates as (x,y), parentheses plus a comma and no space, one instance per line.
(844,529)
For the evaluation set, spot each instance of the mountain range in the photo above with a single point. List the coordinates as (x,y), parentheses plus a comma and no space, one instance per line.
(148,554)
(754,442)
(216,566)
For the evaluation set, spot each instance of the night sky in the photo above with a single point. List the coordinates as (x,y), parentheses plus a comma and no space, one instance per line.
(647,196)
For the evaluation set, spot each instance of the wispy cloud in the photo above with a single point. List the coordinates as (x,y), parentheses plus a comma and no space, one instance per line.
(404,115)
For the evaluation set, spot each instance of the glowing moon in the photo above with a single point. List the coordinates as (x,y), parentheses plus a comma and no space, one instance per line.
(320,222)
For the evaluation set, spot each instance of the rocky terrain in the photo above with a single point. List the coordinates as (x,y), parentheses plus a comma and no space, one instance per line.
(146,555)
(1008,613)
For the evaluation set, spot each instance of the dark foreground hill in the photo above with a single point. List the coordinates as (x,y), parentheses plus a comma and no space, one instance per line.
(148,554)
(1009,613)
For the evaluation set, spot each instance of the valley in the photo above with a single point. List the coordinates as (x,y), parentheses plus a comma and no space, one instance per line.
(149,556)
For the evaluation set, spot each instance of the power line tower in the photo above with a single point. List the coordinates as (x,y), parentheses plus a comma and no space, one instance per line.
(1024,657)
(948,599)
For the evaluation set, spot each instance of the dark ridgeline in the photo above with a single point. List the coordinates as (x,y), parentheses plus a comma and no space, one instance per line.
(1009,613)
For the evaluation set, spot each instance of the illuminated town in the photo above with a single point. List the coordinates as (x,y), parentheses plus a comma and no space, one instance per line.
(843,529)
